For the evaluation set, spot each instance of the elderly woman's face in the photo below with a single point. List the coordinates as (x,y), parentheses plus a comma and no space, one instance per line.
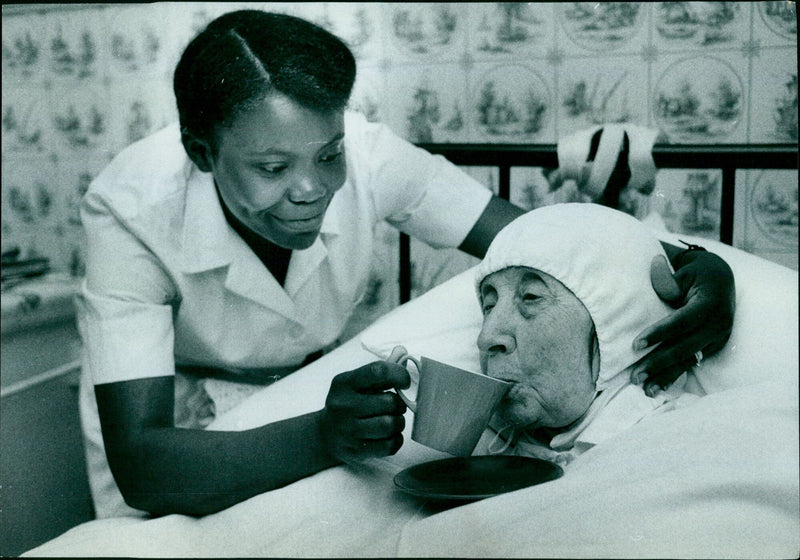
(539,336)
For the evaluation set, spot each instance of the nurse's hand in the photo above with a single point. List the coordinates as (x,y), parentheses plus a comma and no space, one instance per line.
(362,418)
(703,291)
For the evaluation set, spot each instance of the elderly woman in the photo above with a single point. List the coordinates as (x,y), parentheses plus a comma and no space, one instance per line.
(559,321)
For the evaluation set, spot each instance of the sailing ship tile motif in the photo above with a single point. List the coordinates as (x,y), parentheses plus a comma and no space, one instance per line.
(24,120)
(512,103)
(430,103)
(702,24)
(23,47)
(602,26)
(692,110)
(428,30)
(773,206)
(780,17)
(506,29)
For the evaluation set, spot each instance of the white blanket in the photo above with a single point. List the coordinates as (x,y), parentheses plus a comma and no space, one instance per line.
(718,478)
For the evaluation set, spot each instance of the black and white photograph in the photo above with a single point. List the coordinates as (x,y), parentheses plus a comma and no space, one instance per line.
(400,279)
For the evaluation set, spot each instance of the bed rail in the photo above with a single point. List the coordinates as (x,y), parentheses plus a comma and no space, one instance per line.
(727,157)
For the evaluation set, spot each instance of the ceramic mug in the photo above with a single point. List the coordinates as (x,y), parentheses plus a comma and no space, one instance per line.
(453,406)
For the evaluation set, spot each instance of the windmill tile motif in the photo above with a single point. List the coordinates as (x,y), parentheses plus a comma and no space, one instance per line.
(81,84)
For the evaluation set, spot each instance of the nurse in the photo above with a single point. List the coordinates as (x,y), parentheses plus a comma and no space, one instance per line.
(235,247)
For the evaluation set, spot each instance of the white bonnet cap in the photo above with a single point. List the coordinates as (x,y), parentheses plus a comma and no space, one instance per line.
(603,256)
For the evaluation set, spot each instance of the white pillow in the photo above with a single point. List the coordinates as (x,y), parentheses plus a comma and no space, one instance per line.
(444,323)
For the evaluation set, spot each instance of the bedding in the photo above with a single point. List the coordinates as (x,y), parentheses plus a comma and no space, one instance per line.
(717,478)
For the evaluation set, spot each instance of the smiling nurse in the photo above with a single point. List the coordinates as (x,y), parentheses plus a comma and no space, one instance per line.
(236,245)
(277,167)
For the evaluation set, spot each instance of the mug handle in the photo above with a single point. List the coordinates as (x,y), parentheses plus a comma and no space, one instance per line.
(402,361)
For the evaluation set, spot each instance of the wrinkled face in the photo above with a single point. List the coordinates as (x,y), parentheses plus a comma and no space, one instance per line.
(539,336)
(277,167)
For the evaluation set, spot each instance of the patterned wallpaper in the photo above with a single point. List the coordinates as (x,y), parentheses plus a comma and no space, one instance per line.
(79,83)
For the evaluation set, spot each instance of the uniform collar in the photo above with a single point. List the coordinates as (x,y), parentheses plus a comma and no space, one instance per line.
(207,237)
(303,263)
(209,242)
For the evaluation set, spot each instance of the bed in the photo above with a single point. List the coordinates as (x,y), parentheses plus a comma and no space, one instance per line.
(716,479)
(719,478)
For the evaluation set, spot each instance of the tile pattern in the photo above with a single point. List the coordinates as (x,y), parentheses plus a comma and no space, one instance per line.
(78,85)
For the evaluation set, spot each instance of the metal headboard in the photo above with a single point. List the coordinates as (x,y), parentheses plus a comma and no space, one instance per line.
(728,158)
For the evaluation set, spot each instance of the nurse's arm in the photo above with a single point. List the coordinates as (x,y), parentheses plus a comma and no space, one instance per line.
(706,304)
(162,469)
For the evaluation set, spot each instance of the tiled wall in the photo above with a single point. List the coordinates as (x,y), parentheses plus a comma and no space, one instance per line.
(79,84)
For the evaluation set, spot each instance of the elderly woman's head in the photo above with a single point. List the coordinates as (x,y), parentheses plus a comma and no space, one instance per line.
(564,291)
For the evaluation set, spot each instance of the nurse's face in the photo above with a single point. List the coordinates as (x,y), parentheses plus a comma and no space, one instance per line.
(277,167)
(538,335)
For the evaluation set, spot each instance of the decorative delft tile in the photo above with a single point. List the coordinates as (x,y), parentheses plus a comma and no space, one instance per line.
(75,175)
(74,47)
(186,20)
(773,105)
(138,40)
(679,26)
(775,22)
(701,99)
(687,201)
(596,27)
(765,221)
(368,93)
(508,30)
(25,126)
(601,90)
(358,24)
(510,103)
(24,44)
(31,198)
(427,103)
(422,31)
(141,108)
(530,188)
(79,118)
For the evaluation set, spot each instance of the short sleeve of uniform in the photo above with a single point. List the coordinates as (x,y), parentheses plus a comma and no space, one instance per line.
(421,194)
(124,307)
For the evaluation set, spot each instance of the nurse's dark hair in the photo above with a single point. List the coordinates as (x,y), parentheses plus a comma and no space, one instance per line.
(242,56)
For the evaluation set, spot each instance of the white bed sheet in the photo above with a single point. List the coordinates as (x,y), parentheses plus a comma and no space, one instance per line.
(718,478)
